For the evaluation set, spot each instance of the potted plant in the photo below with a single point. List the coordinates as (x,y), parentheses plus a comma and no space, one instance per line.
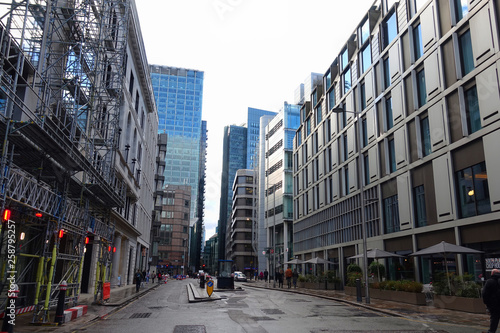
(301,280)
(460,293)
(332,280)
(403,291)
(354,273)
(377,270)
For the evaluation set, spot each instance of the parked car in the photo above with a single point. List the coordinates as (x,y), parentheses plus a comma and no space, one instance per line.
(239,276)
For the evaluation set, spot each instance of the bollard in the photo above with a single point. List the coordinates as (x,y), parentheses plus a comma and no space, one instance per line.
(202,280)
(10,311)
(59,319)
(358,290)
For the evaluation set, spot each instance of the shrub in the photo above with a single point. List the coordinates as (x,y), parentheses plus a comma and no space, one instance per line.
(353,267)
(375,268)
(311,278)
(462,286)
(331,277)
(403,285)
(301,278)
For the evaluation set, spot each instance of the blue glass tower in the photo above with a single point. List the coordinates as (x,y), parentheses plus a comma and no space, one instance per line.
(178,94)
(253,124)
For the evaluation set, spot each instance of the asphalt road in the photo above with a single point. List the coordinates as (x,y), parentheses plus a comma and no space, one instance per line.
(251,310)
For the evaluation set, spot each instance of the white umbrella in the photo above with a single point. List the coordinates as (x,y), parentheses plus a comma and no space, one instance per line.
(444,249)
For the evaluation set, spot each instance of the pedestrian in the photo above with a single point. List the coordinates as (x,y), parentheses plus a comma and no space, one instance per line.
(288,275)
(143,278)
(138,280)
(147,277)
(491,297)
(159,277)
(266,275)
(279,277)
(261,275)
(295,276)
(153,277)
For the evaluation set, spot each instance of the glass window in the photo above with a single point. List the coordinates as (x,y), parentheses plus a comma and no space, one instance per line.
(364,127)
(421,93)
(461,9)
(366,58)
(392,156)
(345,147)
(365,31)
(344,59)
(331,99)
(418,45)
(319,115)
(346,180)
(419,204)
(308,126)
(473,193)
(347,81)
(390,29)
(426,136)
(367,169)
(387,75)
(391,214)
(466,56)
(328,80)
(362,96)
(388,113)
(472,110)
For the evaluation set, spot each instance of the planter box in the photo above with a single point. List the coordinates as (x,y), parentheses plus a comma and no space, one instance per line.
(464,304)
(351,291)
(333,285)
(301,284)
(314,285)
(398,296)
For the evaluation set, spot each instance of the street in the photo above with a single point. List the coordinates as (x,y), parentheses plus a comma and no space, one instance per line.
(167,309)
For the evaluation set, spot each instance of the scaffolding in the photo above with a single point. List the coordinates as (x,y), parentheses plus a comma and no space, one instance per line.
(62,67)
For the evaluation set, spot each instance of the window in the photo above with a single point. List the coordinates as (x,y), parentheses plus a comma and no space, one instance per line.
(366,58)
(387,73)
(137,101)
(421,93)
(425,134)
(418,46)
(364,128)
(328,80)
(344,148)
(331,99)
(391,214)
(388,113)
(367,169)
(362,96)
(346,181)
(472,110)
(473,193)
(131,84)
(466,56)
(344,60)
(392,156)
(419,205)
(365,31)
(461,9)
(347,80)
(390,29)
(308,126)
(319,115)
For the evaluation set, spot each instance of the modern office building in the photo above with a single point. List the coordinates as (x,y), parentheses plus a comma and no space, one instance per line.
(278,180)
(417,162)
(253,125)
(233,158)
(179,94)
(244,225)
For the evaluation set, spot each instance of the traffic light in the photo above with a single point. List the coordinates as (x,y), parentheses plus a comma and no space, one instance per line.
(61,233)
(86,240)
(6,215)
(38,214)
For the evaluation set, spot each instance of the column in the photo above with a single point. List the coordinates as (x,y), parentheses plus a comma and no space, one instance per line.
(116,261)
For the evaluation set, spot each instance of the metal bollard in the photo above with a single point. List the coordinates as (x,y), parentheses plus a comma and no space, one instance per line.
(359,298)
(59,319)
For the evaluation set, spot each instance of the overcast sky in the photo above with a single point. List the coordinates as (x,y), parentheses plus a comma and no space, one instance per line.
(254,54)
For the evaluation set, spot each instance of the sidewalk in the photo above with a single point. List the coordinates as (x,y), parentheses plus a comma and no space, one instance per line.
(421,313)
(119,296)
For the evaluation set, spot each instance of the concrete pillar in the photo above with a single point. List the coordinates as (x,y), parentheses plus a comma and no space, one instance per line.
(116,261)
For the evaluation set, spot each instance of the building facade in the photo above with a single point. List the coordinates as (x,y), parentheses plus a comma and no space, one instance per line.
(422,77)
(244,227)
(253,125)
(279,134)
(233,158)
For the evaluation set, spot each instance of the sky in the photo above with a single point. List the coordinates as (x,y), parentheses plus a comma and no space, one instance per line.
(254,53)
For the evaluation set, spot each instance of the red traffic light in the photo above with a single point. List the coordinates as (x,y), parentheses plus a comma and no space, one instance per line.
(109,248)
(38,214)
(114,249)
(86,240)
(6,215)
(61,233)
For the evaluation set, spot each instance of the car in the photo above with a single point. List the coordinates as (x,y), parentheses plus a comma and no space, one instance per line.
(240,277)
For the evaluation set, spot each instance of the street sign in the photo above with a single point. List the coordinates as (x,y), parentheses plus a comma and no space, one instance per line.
(210,287)
(264,252)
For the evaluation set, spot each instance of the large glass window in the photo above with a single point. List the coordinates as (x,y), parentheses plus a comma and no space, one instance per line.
(472,110)
(461,9)
(421,92)
(473,193)
(388,113)
(331,99)
(347,80)
(328,80)
(308,126)
(362,96)
(367,169)
(392,156)
(391,214)
(419,204)
(346,181)
(418,45)
(425,134)
(344,59)
(466,56)
(387,75)
(364,127)
(390,27)
(319,115)
(365,31)
(366,58)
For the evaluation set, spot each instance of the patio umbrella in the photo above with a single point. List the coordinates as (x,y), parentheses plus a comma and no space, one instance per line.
(295,262)
(376,254)
(318,260)
(444,249)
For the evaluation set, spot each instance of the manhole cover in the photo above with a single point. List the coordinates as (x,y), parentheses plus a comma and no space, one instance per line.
(272,311)
(140,315)
(189,329)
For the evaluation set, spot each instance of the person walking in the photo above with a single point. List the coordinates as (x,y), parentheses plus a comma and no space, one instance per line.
(153,277)
(280,278)
(261,275)
(138,280)
(288,275)
(266,274)
(491,297)
(295,276)
(159,277)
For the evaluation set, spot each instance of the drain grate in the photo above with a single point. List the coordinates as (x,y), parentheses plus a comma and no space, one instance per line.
(189,329)
(140,315)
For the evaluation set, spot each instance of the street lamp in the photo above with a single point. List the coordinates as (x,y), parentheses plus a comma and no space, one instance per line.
(361,188)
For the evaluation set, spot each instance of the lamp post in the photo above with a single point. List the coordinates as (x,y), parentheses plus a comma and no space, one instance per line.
(361,189)
(184,257)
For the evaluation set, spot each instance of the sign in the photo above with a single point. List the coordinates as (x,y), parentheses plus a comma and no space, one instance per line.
(210,287)
(492,263)
(263,252)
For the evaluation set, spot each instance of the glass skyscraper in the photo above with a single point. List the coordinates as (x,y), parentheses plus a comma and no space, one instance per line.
(253,124)
(178,94)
